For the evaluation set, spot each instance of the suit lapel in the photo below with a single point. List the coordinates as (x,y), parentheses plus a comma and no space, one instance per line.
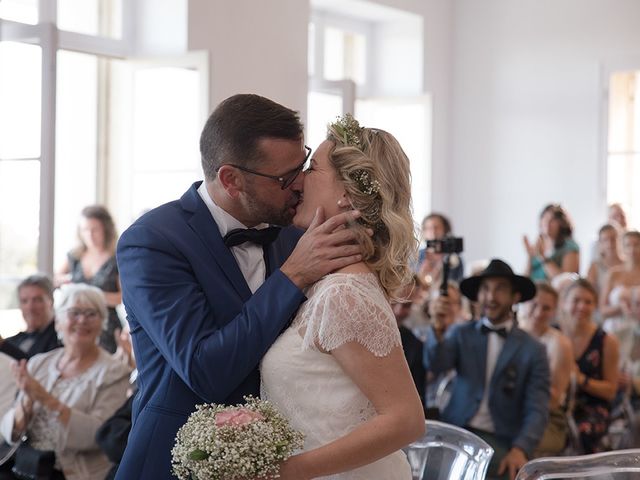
(479,343)
(511,346)
(205,227)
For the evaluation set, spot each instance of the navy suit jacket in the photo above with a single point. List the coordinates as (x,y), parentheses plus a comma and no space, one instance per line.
(519,387)
(197,331)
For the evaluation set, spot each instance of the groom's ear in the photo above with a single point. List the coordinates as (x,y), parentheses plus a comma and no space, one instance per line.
(231,180)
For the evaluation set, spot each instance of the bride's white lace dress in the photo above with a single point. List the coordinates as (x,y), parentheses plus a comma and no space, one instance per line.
(310,388)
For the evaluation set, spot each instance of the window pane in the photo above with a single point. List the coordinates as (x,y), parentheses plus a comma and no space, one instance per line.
(323,108)
(344,56)
(19,223)
(20,93)
(76,145)
(622,111)
(623,185)
(408,121)
(151,189)
(166,127)
(334,54)
(23,11)
(91,17)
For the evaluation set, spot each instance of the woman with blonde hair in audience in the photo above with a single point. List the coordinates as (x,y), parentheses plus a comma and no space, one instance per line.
(555,251)
(596,354)
(93,262)
(608,257)
(67,393)
(539,314)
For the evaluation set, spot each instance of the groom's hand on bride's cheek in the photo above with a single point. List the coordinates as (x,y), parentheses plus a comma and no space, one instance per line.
(324,248)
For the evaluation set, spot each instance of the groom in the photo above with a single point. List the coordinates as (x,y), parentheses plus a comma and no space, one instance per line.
(208,284)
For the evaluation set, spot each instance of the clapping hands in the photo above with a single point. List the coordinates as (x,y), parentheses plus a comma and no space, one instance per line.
(26,383)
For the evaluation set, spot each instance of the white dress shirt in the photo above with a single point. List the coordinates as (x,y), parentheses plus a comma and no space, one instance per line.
(249,256)
(482,419)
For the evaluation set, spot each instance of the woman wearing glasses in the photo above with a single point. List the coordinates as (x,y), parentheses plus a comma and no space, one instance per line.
(67,393)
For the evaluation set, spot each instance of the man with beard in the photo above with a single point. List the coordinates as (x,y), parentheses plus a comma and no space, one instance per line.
(209,281)
(501,391)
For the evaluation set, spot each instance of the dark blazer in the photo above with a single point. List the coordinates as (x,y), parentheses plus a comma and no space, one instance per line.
(46,341)
(111,437)
(197,331)
(519,388)
(412,348)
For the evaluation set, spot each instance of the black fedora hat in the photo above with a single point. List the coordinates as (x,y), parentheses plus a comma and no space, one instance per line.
(497,268)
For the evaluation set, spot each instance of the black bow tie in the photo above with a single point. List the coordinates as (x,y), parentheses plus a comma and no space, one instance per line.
(500,331)
(263,237)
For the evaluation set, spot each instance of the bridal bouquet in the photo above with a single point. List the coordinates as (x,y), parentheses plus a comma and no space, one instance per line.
(219,442)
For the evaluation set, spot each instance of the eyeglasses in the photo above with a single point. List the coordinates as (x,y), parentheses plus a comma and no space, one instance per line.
(88,313)
(285,180)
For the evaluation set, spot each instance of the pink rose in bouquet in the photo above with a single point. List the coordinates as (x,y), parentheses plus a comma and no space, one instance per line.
(237,417)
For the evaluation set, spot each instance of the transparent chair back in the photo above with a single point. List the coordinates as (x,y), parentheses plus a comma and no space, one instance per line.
(447,452)
(617,465)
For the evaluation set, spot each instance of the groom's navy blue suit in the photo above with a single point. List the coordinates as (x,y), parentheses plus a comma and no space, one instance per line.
(197,331)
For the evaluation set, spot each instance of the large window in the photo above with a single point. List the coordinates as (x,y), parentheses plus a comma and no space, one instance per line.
(352,71)
(623,155)
(84,120)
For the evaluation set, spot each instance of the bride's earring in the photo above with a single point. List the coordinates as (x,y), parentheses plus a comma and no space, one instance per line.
(342,203)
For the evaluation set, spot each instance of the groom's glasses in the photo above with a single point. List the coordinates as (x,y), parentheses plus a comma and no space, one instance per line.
(284,180)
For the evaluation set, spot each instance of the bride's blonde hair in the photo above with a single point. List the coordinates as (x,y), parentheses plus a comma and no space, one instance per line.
(375,173)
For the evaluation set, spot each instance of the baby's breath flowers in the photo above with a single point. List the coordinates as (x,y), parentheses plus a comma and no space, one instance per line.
(219,442)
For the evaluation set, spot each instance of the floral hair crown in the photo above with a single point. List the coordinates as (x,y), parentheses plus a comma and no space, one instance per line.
(349,132)
(348,129)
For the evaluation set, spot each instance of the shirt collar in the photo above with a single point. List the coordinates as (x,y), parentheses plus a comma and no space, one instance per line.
(226,222)
(507,324)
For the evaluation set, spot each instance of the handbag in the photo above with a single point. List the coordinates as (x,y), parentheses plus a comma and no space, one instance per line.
(33,464)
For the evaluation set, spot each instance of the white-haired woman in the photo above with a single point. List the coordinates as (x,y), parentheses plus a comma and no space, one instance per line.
(67,393)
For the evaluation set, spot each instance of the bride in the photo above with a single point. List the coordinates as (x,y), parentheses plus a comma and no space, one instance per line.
(338,373)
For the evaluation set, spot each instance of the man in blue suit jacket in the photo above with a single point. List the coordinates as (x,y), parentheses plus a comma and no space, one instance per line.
(204,295)
(501,391)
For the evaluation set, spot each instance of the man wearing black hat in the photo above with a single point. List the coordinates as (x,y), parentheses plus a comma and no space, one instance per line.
(501,391)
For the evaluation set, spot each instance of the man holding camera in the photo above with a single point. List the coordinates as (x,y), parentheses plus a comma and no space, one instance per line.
(501,391)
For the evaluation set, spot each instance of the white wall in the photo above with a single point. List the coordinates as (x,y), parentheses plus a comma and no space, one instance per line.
(255,47)
(526,127)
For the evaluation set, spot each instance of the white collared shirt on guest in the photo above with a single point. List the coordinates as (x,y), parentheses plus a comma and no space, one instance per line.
(249,256)
(482,419)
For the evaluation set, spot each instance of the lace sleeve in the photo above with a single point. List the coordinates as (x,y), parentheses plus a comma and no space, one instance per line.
(347,308)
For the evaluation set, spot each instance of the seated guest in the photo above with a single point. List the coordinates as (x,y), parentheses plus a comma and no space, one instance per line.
(539,314)
(554,251)
(596,355)
(501,390)
(620,302)
(607,258)
(113,434)
(66,394)
(35,295)
(411,345)
(436,226)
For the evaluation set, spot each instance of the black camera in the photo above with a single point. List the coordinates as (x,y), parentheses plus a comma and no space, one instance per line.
(448,246)
(445,245)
